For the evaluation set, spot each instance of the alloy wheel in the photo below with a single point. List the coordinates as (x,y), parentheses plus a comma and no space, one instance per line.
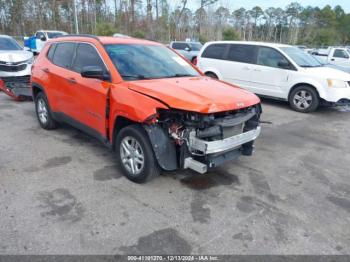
(302,99)
(42,111)
(132,155)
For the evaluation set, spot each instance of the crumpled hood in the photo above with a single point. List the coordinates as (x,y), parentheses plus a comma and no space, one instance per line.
(328,73)
(14,56)
(197,94)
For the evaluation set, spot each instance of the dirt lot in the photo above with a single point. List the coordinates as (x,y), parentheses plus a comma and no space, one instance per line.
(60,193)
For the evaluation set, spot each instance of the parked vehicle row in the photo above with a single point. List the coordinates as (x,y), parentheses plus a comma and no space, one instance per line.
(277,71)
(158,111)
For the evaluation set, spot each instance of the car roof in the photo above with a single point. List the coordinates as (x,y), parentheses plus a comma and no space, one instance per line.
(276,45)
(52,31)
(104,39)
(5,36)
(187,42)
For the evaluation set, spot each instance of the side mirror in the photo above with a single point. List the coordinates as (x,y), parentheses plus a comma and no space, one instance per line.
(284,65)
(94,72)
(187,49)
(42,38)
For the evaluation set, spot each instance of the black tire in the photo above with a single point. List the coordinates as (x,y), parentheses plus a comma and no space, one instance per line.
(212,75)
(304,99)
(50,123)
(150,168)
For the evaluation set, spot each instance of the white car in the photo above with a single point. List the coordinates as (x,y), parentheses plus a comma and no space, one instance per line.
(37,42)
(15,68)
(275,70)
(338,56)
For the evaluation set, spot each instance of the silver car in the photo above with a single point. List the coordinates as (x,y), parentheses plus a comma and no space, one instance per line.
(189,50)
(15,68)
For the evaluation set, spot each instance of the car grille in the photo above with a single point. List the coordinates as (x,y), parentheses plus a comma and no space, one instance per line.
(12,82)
(12,68)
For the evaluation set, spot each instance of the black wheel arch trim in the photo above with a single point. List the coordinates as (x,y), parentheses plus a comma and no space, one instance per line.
(164,149)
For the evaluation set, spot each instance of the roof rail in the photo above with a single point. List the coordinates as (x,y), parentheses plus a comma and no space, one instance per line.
(79,35)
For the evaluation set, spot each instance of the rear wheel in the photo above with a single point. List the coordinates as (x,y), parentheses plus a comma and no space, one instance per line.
(212,75)
(135,155)
(304,99)
(43,112)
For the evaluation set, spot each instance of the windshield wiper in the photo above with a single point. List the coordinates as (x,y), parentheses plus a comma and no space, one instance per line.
(179,75)
(308,66)
(135,76)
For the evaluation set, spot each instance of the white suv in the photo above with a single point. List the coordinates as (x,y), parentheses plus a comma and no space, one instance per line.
(275,70)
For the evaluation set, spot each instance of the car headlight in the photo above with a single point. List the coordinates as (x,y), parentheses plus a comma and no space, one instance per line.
(30,60)
(337,83)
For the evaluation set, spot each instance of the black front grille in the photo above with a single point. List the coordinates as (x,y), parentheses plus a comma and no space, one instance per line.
(13,68)
(12,82)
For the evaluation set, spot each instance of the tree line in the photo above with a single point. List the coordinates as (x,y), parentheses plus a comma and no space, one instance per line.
(164,21)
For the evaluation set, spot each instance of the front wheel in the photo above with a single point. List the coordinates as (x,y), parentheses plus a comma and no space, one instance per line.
(135,155)
(304,99)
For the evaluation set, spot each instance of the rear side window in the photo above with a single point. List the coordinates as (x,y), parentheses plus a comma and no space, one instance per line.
(242,53)
(51,51)
(86,55)
(215,51)
(180,46)
(63,54)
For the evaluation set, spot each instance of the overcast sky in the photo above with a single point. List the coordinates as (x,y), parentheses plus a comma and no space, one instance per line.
(248,4)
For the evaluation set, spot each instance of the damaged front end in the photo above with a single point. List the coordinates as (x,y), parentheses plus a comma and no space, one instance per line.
(17,87)
(202,141)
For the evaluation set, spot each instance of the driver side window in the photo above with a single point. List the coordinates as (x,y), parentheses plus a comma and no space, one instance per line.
(338,53)
(40,35)
(270,57)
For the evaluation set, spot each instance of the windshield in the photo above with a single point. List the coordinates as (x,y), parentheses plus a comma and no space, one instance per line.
(54,34)
(300,57)
(9,44)
(196,46)
(136,62)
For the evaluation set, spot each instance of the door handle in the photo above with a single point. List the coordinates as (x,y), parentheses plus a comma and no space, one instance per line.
(332,59)
(246,68)
(46,70)
(72,80)
(257,70)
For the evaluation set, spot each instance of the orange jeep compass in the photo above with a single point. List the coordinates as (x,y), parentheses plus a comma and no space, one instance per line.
(150,105)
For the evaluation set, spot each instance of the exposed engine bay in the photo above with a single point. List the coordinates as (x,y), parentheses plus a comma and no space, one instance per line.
(202,141)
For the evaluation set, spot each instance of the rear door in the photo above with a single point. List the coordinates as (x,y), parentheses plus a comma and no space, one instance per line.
(271,72)
(60,75)
(89,95)
(237,68)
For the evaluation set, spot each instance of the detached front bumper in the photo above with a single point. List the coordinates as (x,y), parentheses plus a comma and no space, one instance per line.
(15,80)
(217,152)
(16,87)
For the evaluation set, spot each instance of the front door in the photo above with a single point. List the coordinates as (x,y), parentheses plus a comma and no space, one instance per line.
(270,74)
(89,94)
